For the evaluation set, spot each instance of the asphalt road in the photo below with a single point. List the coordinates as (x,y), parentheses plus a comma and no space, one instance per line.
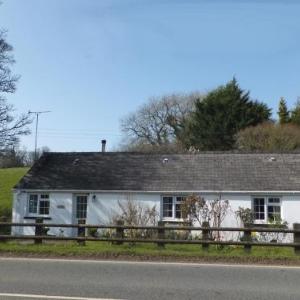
(129,280)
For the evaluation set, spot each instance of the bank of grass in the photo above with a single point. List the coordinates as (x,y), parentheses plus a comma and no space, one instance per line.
(145,251)
(8,178)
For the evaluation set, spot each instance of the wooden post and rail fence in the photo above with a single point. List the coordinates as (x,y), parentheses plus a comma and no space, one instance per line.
(161,238)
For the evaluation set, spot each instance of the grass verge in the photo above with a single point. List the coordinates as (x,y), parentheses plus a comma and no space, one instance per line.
(192,253)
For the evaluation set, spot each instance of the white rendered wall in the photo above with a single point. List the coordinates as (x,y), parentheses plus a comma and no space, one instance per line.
(18,211)
(103,206)
(290,209)
(61,211)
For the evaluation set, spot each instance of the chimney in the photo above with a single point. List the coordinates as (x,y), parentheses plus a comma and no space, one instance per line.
(103,142)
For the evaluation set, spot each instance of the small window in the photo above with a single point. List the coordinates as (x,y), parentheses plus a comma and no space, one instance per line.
(171,206)
(39,204)
(267,208)
(274,200)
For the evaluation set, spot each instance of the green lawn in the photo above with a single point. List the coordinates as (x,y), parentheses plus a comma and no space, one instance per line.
(8,178)
(151,251)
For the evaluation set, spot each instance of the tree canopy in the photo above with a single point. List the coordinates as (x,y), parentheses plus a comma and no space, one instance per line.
(220,115)
(269,137)
(158,124)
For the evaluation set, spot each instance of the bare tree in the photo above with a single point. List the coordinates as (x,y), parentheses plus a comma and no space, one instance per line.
(11,127)
(158,122)
(15,157)
(7,80)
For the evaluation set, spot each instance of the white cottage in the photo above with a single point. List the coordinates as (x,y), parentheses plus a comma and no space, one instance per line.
(68,187)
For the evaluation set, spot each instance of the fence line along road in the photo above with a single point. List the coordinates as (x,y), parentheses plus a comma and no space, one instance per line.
(161,240)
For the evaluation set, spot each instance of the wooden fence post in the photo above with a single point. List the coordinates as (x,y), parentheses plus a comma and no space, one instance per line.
(161,233)
(247,237)
(81,232)
(39,230)
(119,232)
(296,226)
(205,235)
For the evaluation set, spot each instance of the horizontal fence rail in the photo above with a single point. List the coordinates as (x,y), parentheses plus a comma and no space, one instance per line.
(161,238)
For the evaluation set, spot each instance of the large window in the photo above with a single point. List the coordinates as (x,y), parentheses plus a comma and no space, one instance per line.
(267,209)
(38,204)
(171,207)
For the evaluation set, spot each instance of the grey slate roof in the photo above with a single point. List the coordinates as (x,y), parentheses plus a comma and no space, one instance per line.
(147,172)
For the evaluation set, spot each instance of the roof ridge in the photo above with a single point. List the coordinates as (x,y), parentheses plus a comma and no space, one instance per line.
(167,153)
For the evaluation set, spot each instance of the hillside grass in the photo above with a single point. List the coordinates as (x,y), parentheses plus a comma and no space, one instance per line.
(8,178)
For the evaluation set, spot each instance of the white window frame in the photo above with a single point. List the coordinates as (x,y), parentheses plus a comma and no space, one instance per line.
(39,200)
(266,205)
(174,203)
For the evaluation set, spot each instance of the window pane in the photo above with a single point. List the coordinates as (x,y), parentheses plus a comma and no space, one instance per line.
(33,203)
(274,200)
(81,207)
(180,199)
(168,207)
(178,214)
(274,213)
(44,207)
(259,208)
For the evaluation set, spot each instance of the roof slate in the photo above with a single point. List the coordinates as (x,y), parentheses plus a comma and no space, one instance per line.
(121,171)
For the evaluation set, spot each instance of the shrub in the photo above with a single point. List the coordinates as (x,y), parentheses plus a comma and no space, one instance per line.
(274,237)
(133,213)
(196,209)
(245,215)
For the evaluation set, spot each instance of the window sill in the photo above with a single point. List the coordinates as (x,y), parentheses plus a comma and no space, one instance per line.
(174,221)
(37,217)
(268,225)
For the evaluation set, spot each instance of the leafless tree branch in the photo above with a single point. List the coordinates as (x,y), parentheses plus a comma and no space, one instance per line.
(158,122)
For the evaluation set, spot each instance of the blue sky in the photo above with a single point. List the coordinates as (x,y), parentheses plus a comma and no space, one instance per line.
(92,61)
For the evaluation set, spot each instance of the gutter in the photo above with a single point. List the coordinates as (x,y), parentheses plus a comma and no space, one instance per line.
(254,192)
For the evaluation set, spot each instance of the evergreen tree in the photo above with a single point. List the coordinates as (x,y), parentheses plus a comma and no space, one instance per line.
(221,114)
(283,113)
(295,114)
